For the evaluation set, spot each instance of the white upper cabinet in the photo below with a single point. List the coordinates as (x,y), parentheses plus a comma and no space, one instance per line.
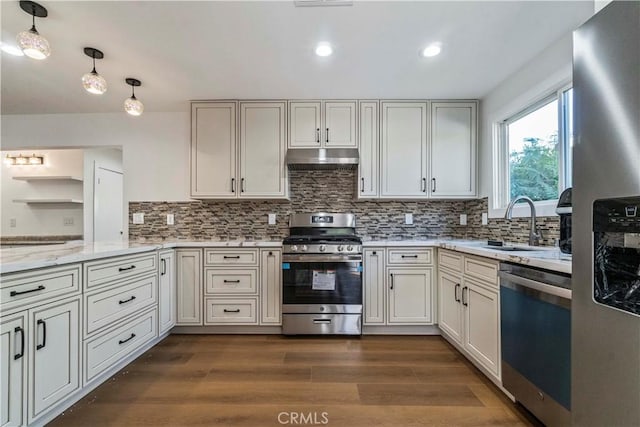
(404,150)
(213,149)
(369,148)
(453,149)
(263,145)
(316,124)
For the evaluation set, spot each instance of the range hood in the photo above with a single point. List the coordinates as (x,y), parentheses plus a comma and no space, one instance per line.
(322,158)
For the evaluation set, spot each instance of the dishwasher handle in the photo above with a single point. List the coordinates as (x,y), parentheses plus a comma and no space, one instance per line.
(534,285)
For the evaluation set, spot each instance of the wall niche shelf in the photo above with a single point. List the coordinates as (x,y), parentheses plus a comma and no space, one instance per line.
(49,201)
(48,178)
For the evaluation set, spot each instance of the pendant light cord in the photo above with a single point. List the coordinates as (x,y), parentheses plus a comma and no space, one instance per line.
(93,55)
(33,19)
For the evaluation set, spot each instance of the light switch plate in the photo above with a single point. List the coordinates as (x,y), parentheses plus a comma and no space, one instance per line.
(408,219)
(67,221)
(138,218)
(271,218)
(12,222)
(485,218)
(463,219)
(170,219)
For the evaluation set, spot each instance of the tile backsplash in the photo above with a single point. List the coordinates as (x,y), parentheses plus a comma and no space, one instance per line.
(326,191)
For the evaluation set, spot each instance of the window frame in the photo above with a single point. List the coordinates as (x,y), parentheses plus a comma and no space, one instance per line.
(501,181)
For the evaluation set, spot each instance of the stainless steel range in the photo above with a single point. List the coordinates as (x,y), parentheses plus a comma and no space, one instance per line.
(322,275)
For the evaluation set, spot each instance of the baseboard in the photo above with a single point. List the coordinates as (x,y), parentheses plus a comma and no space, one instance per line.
(227,329)
(401,330)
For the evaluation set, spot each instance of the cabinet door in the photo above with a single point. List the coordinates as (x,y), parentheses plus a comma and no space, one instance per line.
(168,292)
(213,150)
(190,287)
(374,289)
(262,150)
(13,372)
(54,355)
(340,124)
(453,149)
(410,295)
(449,304)
(404,150)
(270,286)
(369,144)
(304,124)
(482,324)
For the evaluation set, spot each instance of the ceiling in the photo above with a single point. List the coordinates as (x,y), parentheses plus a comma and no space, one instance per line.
(184,51)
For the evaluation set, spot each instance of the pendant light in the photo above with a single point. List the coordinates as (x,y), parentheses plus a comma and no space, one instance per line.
(33,44)
(132,105)
(94,82)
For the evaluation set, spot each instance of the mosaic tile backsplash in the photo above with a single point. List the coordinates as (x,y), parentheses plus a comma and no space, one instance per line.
(327,191)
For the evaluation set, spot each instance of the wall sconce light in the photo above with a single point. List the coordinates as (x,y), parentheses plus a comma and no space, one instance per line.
(21,160)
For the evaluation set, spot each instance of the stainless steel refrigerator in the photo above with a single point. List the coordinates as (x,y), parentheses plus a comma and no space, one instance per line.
(606,219)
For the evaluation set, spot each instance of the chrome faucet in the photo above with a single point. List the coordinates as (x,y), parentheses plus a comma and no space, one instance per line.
(534,234)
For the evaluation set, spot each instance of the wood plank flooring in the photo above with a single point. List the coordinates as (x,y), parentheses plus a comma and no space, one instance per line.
(253,380)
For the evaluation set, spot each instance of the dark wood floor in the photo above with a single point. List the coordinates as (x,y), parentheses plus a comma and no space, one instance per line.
(239,380)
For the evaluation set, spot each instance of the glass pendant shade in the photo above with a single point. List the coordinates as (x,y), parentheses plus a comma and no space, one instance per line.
(133,106)
(94,83)
(33,44)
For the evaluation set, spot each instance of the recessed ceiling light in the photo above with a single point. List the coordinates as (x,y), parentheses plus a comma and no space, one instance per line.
(324,49)
(11,50)
(432,50)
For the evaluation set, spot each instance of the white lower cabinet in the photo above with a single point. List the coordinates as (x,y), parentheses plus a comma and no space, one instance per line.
(54,354)
(189,286)
(469,308)
(374,291)
(270,286)
(13,373)
(167,291)
(410,295)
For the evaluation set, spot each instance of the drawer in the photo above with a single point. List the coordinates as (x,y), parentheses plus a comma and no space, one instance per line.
(230,257)
(109,306)
(450,260)
(115,269)
(20,289)
(218,281)
(230,311)
(410,256)
(482,268)
(106,350)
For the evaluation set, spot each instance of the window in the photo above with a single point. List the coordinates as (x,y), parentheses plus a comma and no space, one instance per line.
(535,150)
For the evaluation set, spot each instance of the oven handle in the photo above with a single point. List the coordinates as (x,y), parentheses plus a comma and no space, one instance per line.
(321,258)
(514,282)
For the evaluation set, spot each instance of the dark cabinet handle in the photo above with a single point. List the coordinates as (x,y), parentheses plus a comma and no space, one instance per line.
(455,292)
(231,257)
(164,267)
(242,185)
(362,185)
(127,300)
(44,334)
(16,293)
(128,339)
(424,185)
(391,284)
(374,253)
(121,269)
(270,253)
(237,310)
(433,185)
(327,139)
(231,281)
(233,185)
(318,135)
(465,301)
(21,354)
(409,256)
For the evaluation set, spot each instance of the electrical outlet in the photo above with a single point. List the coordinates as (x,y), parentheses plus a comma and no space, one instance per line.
(271,219)
(170,219)
(408,219)
(138,218)
(485,218)
(68,221)
(463,219)
(12,223)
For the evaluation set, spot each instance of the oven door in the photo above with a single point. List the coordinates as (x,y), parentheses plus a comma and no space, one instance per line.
(331,281)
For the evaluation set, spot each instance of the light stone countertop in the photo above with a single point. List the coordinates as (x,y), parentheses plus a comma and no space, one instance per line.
(31,257)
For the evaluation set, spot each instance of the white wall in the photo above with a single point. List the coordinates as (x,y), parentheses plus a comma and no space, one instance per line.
(155,146)
(42,220)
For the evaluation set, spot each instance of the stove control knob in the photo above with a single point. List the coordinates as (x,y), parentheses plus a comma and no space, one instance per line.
(294,248)
(323,248)
(303,248)
(340,247)
(349,248)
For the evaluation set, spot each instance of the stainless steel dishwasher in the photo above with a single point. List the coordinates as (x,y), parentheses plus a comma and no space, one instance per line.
(535,319)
